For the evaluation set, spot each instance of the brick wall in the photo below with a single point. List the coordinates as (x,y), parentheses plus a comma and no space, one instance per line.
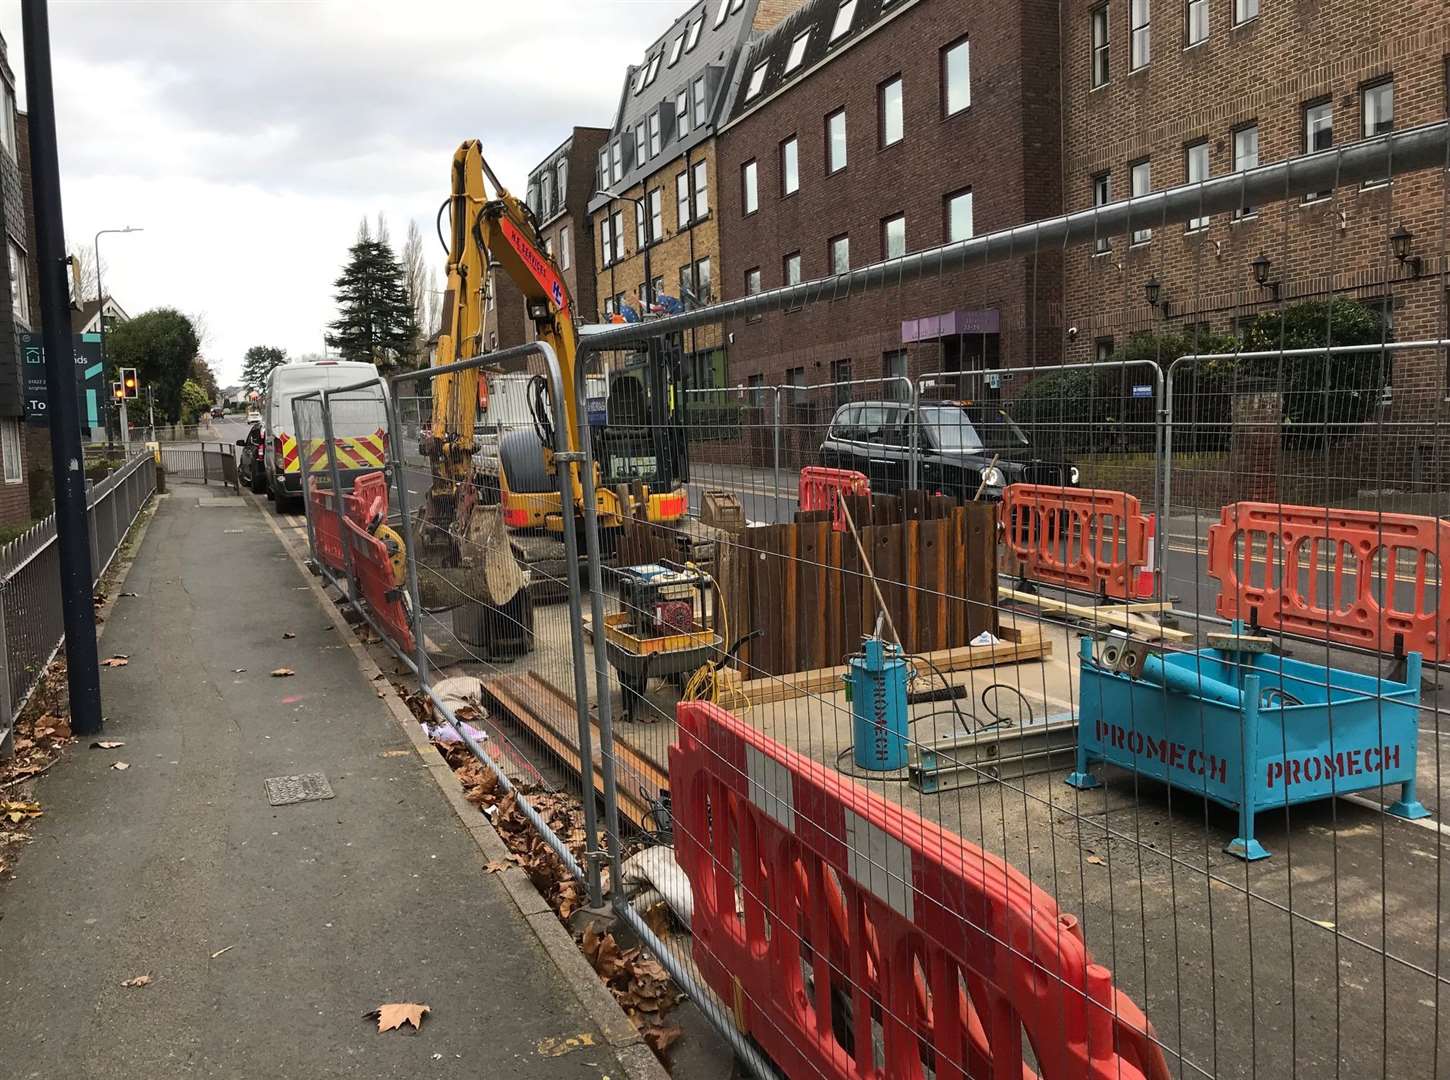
(1262,72)
(1004,147)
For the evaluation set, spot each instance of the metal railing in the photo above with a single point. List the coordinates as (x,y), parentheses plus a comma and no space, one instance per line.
(31,624)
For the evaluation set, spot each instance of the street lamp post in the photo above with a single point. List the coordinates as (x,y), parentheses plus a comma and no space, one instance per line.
(101,314)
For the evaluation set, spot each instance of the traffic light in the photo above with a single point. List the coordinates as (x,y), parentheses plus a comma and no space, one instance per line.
(130,384)
(118,391)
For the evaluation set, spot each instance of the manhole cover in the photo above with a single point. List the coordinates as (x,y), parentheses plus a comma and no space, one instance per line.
(283,790)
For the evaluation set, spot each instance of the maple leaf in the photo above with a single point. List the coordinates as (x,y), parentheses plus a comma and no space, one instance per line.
(119,660)
(395,1015)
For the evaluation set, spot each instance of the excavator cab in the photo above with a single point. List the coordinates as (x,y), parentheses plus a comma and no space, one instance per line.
(642,440)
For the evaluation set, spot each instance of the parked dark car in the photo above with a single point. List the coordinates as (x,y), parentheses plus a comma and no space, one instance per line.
(957,441)
(249,462)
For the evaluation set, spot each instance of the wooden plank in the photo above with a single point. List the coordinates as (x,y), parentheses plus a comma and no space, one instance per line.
(962,658)
(1107,616)
(910,578)
(957,589)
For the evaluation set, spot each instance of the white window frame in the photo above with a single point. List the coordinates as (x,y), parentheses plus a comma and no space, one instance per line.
(1102,42)
(838,252)
(832,165)
(720,14)
(1102,195)
(790,269)
(561,180)
(676,47)
(797,53)
(616,229)
(1135,188)
(564,257)
(884,113)
(654,68)
(757,80)
(845,16)
(790,166)
(703,280)
(656,203)
(1197,167)
(752,281)
(749,187)
(1195,21)
(10,450)
(1312,115)
(699,93)
(616,155)
(654,133)
(692,33)
(886,228)
(606,241)
(955,201)
(7,123)
(682,112)
(1370,94)
(19,283)
(1140,34)
(700,185)
(1245,159)
(641,237)
(1244,10)
(682,199)
(639,144)
(962,48)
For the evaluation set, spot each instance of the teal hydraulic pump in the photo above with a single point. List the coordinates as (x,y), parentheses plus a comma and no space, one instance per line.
(876,689)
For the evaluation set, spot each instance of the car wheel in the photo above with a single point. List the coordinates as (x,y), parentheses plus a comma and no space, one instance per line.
(257,480)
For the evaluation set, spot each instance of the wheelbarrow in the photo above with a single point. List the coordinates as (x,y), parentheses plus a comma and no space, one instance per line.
(636,660)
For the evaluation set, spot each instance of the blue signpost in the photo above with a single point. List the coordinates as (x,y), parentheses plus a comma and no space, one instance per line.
(90,383)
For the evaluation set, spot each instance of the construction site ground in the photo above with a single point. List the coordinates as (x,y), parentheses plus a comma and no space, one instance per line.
(1203,941)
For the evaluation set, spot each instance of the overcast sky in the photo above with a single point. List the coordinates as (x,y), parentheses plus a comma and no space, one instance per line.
(248,139)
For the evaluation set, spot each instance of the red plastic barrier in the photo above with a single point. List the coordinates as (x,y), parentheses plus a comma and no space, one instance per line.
(368,502)
(821,489)
(373,566)
(1333,574)
(1089,539)
(326,530)
(835,923)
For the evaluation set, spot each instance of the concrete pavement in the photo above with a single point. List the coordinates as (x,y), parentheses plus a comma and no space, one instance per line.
(267,930)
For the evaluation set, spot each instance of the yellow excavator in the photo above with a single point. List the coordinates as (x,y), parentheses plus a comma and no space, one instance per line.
(641,463)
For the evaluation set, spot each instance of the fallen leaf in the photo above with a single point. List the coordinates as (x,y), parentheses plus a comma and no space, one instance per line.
(106,744)
(138,982)
(116,661)
(288,635)
(662,1036)
(283,673)
(558,1047)
(120,766)
(1095,859)
(397,1014)
(16,812)
(494,866)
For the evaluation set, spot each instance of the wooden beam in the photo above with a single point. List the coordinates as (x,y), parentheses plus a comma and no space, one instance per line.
(1121,619)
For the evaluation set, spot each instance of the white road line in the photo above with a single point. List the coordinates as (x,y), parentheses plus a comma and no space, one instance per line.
(1424,822)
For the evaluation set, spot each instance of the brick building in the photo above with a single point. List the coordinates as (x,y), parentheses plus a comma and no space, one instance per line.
(655,230)
(860,131)
(1158,94)
(21,313)
(560,189)
(504,314)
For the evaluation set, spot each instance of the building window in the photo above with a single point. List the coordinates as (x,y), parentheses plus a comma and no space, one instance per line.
(1195,169)
(893,366)
(844,15)
(797,52)
(956,83)
(959,215)
(564,254)
(7,122)
(654,133)
(682,113)
(639,144)
(1379,109)
(1196,21)
(790,269)
(838,254)
(617,231)
(656,215)
(752,281)
(756,383)
(790,173)
(1318,134)
(757,80)
(1102,195)
(836,141)
(1139,42)
(676,47)
(19,284)
(561,173)
(606,243)
(1099,19)
(890,109)
(1246,156)
(654,68)
(682,200)
(1103,349)
(617,164)
(702,280)
(720,14)
(641,237)
(841,376)
(893,237)
(10,450)
(700,102)
(692,35)
(1244,10)
(702,188)
(604,167)
(749,188)
(546,196)
(1141,178)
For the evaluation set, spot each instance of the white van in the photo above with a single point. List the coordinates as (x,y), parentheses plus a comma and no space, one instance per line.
(359,422)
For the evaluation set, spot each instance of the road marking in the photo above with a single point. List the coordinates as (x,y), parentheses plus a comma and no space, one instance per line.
(1423,823)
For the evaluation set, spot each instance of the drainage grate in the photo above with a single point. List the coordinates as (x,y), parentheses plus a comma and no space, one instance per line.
(284,790)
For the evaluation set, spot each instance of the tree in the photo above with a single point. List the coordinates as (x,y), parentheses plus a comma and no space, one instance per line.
(204,377)
(194,402)
(418,277)
(257,365)
(161,345)
(376,322)
(83,267)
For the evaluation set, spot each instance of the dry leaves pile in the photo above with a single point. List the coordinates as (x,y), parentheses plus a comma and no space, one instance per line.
(41,732)
(642,987)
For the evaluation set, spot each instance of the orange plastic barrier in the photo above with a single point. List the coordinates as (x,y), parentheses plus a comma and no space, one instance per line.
(326,530)
(372,563)
(1089,539)
(821,489)
(835,923)
(1334,575)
